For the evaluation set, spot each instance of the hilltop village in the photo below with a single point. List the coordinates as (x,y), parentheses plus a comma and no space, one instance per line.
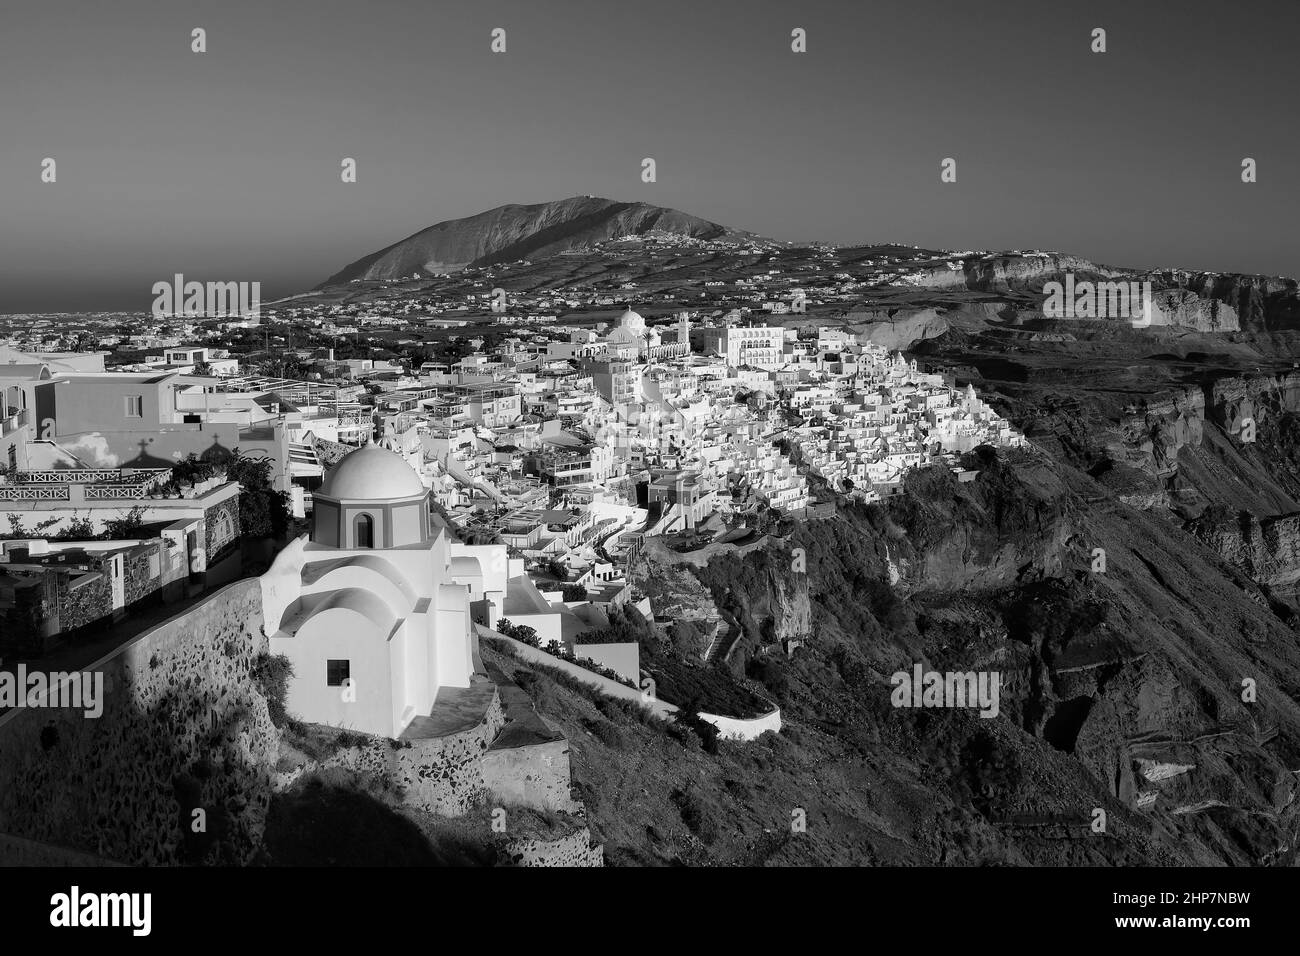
(370,519)
(569,444)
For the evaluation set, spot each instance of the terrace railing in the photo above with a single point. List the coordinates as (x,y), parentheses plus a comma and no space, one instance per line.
(115,492)
(34,492)
(86,476)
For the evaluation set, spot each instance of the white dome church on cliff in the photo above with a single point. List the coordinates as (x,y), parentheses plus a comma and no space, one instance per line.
(375,611)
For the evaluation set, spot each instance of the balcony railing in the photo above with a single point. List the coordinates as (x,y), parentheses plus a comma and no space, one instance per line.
(86,476)
(34,492)
(115,492)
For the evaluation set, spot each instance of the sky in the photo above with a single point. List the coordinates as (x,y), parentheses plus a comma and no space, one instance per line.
(225,165)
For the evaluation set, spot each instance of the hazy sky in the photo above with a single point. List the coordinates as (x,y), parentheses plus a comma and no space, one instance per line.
(225,165)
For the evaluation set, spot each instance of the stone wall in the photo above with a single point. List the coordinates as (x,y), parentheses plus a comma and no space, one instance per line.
(536,775)
(442,774)
(142,571)
(183,728)
(84,604)
(572,850)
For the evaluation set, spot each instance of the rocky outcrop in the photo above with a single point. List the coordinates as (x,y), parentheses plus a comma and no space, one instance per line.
(1011,272)
(1260,398)
(1182,307)
(1018,272)
(898,329)
(791,610)
(1267,549)
(1151,437)
(1263,303)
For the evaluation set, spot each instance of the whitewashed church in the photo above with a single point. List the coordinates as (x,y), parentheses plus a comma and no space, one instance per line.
(375,610)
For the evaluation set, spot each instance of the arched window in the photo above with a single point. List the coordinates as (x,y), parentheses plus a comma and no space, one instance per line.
(225,529)
(365,528)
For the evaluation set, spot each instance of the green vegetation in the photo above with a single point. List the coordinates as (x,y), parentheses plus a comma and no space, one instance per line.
(626,626)
(129,526)
(271,675)
(263,511)
(711,690)
(520,632)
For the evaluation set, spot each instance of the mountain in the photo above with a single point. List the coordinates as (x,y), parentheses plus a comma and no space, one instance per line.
(513,232)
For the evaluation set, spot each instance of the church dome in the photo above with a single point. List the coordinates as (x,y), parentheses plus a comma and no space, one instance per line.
(371,473)
(632,321)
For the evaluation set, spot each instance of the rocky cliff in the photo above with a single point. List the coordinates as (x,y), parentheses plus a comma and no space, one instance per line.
(1017,272)
(1182,307)
(1142,675)
(1263,303)
(1267,549)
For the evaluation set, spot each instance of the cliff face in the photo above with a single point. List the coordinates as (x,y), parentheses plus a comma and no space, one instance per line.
(1151,438)
(1263,303)
(1008,273)
(1184,308)
(791,609)
(1260,397)
(1206,304)
(897,329)
(1267,549)
(1005,273)
(982,535)
(1197,439)
(515,232)
(1122,643)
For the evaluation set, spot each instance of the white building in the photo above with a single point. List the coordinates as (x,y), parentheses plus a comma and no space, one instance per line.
(762,346)
(375,610)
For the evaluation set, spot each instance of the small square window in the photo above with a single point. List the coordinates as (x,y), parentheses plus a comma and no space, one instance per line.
(337,672)
(135,406)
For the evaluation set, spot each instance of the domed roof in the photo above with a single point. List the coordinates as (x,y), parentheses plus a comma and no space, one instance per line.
(371,473)
(632,321)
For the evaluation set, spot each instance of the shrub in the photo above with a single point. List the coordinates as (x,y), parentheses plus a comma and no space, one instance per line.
(520,632)
(710,689)
(771,675)
(688,638)
(606,733)
(708,733)
(128,526)
(693,815)
(271,673)
(347,738)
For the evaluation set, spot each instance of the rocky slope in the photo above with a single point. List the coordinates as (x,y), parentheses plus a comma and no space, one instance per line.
(1132,579)
(1123,691)
(515,232)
